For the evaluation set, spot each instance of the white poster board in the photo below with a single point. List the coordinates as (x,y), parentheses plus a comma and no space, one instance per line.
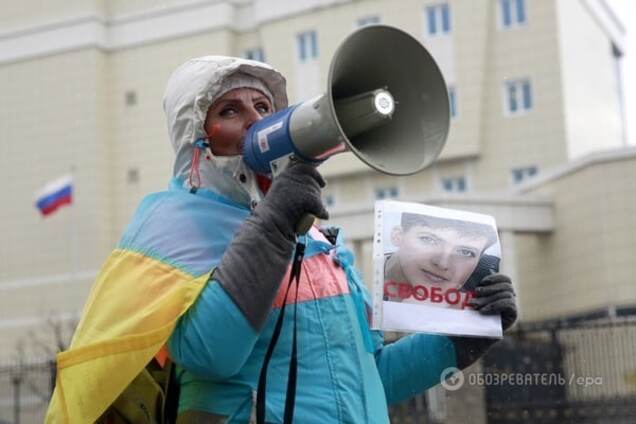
(427,261)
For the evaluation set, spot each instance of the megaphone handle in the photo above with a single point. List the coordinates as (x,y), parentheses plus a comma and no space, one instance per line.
(305,224)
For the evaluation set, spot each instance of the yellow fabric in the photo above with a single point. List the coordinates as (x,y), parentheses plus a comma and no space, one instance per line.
(130,313)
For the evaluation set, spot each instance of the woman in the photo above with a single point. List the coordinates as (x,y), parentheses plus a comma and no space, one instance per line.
(218,215)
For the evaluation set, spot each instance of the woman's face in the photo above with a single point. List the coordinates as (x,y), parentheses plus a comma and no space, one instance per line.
(437,256)
(231,115)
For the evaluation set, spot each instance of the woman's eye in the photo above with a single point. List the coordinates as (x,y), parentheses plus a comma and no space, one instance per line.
(467,253)
(227,112)
(428,240)
(262,108)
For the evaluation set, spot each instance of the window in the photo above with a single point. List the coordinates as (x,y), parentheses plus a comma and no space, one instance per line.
(454,184)
(307,45)
(132,175)
(518,96)
(131,98)
(386,193)
(329,200)
(438,19)
(512,12)
(523,173)
(255,54)
(368,20)
(452,100)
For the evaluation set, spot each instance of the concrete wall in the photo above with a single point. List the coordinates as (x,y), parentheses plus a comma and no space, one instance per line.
(588,262)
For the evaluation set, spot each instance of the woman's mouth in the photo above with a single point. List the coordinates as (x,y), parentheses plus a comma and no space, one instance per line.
(432,277)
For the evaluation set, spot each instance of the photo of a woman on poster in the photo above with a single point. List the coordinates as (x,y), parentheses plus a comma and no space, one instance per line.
(437,255)
(428,261)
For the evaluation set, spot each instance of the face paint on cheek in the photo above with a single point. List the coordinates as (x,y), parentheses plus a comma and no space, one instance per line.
(227,139)
(214,131)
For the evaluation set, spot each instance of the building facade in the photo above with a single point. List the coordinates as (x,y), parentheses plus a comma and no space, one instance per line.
(533,86)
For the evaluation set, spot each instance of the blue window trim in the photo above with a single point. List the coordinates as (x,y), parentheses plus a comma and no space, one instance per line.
(432,22)
(512,97)
(368,20)
(522,173)
(457,184)
(506,13)
(255,53)
(307,42)
(452,100)
(518,96)
(446,25)
(512,13)
(391,192)
(314,44)
(521,11)
(527,95)
(302,54)
(438,19)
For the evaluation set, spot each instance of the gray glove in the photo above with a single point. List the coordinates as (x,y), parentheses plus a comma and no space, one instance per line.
(493,295)
(254,264)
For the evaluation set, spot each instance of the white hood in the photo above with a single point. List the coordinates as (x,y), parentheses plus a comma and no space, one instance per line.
(190,91)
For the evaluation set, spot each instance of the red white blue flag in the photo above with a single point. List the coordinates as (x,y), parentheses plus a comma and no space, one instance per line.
(54,195)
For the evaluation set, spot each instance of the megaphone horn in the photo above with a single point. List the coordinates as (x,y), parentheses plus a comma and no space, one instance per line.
(386,102)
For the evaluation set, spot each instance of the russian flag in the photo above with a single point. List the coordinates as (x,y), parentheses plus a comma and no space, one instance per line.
(55,194)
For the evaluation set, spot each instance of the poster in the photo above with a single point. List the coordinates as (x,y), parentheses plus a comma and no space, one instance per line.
(427,261)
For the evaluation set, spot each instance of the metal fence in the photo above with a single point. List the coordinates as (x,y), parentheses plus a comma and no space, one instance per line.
(25,389)
(581,373)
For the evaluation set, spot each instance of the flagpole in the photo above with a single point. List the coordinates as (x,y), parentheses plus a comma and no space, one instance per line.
(73,227)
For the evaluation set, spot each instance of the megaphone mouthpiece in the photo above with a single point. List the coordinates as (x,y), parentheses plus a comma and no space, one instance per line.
(364,111)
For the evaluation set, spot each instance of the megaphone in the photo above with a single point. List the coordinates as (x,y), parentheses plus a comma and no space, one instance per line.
(386,101)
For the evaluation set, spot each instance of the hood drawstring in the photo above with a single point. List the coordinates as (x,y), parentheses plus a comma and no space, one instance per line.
(194,178)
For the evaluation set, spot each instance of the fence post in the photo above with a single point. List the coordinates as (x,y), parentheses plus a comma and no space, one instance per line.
(17,381)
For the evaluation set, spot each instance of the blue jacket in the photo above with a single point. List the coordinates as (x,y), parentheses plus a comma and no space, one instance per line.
(346,373)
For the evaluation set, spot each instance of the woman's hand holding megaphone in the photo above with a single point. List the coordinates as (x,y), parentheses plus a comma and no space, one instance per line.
(253,279)
(294,199)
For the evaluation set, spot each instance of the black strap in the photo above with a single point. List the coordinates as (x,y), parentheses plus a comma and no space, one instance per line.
(173,389)
(293,363)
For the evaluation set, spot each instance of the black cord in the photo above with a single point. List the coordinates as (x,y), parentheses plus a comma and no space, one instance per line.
(290,400)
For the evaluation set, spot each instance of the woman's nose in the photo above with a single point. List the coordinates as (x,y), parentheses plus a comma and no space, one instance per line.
(441,260)
(252,117)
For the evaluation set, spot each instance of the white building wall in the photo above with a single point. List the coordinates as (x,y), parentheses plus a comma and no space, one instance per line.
(592,112)
(139,133)
(66,103)
(27,13)
(53,118)
(534,138)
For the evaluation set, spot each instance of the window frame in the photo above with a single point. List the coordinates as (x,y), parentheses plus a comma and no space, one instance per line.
(367,20)
(257,52)
(513,9)
(523,100)
(524,173)
(307,46)
(439,20)
(388,192)
(454,181)
(452,100)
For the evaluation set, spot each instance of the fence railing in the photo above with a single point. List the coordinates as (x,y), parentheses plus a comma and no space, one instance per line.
(590,369)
